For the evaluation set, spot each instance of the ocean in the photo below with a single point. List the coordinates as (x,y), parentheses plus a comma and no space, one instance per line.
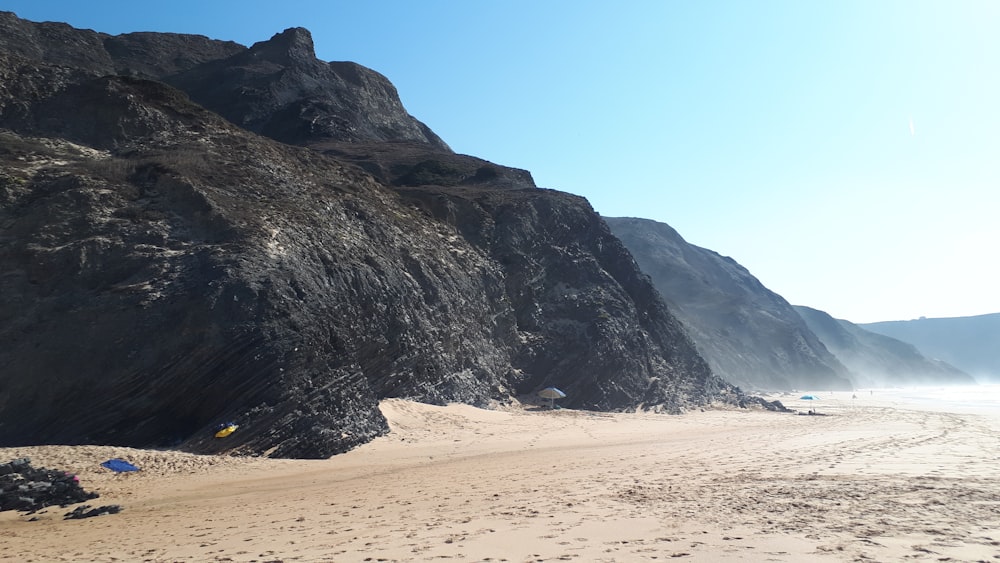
(964,398)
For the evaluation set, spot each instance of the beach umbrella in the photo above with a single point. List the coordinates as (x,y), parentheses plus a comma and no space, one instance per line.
(810,398)
(551,393)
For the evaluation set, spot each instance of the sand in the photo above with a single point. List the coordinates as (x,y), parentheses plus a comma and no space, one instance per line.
(876,478)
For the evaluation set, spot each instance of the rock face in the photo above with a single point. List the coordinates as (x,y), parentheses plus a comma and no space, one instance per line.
(166,268)
(750,335)
(876,360)
(30,489)
(279,89)
(969,343)
(276,87)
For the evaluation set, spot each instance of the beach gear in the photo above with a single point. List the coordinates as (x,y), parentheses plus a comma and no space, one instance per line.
(225,429)
(551,393)
(810,398)
(119,465)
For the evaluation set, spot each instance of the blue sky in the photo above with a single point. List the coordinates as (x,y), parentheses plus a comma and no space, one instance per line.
(845,152)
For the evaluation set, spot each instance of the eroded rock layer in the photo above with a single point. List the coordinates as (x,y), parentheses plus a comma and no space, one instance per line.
(168,267)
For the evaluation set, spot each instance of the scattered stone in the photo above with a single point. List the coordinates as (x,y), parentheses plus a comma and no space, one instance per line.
(29,489)
(86,512)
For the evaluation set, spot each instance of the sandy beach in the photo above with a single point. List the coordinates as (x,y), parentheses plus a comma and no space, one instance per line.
(879,477)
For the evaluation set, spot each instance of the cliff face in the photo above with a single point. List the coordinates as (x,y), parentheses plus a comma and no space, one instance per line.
(277,87)
(750,335)
(877,360)
(166,269)
(970,343)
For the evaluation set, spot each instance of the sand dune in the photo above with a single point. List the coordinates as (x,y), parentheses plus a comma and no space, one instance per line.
(875,479)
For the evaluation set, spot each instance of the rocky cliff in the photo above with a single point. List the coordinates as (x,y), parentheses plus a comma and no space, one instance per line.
(876,360)
(969,343)
(168,264)
(277,87)
(750,335)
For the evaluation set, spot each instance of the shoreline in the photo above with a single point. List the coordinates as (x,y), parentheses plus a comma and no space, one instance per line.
(886,479)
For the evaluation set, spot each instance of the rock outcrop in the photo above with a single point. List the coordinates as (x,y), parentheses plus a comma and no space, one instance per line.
(876,360)
(750,335)
(277,87)
(30,489)
(168,267)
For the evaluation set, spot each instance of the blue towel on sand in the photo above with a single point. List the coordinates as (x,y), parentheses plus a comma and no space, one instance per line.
(119,465)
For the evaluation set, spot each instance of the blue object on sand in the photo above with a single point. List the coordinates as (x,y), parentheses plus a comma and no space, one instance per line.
(119,465)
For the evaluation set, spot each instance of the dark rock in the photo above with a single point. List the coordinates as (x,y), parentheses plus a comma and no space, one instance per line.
(750,335)
(154,55)
(586,320)
(145,55)
(53,43)
(406,165)
(775,406)
(166,269)
(277,87)
(86,511)
(29,489)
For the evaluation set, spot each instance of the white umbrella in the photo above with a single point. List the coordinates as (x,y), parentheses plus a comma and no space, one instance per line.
(551,393)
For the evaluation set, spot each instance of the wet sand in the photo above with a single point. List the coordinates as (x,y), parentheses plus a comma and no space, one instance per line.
(875,478)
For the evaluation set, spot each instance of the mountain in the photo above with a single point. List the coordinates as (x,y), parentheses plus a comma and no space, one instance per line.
(749,335)
(279,89)
(877,360)
(276,87)
(969,343)
(196,232)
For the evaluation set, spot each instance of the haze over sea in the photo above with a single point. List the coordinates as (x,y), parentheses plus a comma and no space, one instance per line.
(963,398)
(967,399)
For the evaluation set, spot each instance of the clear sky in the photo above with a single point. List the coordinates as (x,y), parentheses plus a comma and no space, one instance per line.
(846,152)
